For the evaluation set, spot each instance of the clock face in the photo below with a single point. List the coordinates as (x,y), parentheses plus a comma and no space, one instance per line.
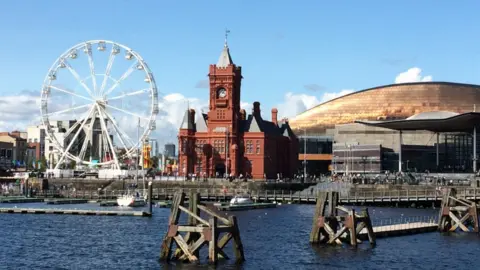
(222,93)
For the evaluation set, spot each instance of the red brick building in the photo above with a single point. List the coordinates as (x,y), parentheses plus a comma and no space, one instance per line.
(227,141)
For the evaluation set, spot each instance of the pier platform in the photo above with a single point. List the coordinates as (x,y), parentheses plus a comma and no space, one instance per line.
(73,212)
(400,229)
(20,200)
(66,201)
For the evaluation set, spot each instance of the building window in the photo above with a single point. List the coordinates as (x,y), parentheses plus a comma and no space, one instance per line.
(35,140)
(3,152)
(9,153)
(220,114)
(249,147)
(258,147)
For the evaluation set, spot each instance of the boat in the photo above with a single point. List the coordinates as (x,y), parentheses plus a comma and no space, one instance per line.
(241,200)
(129,200)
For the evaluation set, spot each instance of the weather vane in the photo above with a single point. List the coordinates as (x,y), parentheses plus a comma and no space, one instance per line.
(226,36)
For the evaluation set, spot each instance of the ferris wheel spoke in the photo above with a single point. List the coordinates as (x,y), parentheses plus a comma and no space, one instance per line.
(77,77)
(70,93)
(72,128)
(68,110)
(127,112)
(92,68)
(130,94)
(83,150)
(122,78)
(104,129)
(65,153)
(111,59)
(120,134)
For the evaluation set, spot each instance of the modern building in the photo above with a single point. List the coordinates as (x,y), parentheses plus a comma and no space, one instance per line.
(227,141)
(335,119)
(19,150)
(170,150)
(153,148)
(36,134)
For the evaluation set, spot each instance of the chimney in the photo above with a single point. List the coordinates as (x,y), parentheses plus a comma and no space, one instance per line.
(256,109)
(274,116)
(243,114)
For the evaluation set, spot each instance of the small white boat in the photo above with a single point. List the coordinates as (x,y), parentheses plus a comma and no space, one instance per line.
(129,200)
(239,200)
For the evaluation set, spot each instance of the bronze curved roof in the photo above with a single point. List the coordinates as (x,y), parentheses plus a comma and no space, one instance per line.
(389,102)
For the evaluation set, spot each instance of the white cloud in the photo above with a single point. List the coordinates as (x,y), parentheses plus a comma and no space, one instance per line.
(412,75)
(294,104)
(329,96)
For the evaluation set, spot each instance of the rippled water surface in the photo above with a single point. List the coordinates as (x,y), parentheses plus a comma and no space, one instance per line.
(273,239)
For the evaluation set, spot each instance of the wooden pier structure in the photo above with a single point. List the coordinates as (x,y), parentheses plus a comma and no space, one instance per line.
(458,213)
(335,224)
(407,196)
(330,227)
(199,232)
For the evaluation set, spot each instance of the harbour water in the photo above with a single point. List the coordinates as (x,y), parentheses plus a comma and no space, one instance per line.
(274,238)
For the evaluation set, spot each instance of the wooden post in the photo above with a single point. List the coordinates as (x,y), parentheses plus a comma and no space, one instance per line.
(352,228)
(237,245)
(150,201)
(368,224)
(212,247)
(166,250)
(319,212)
(194,201)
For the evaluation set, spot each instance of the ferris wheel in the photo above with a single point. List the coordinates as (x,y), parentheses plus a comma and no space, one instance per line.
(99,103)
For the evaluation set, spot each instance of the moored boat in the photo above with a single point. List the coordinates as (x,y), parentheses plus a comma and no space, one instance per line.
(129,200)
(240,200)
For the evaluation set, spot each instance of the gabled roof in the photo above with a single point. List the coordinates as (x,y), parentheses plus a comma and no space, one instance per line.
(225,59)
(187,122)
(201,124)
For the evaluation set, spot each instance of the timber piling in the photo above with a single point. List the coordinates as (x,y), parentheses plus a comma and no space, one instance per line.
(199,232)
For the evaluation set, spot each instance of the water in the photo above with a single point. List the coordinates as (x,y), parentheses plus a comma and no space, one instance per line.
(272,238)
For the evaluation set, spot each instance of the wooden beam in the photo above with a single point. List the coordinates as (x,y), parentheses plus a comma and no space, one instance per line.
(193,215)
(184,228)
(195,247)
(353,231)
(454,218)
(337,235)
(184,247)
(212,247)
(368,223)
(212,212)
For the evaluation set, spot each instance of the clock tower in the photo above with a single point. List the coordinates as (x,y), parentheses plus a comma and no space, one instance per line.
(224,110)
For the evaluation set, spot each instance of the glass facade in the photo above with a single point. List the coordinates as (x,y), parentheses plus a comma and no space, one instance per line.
(315,144)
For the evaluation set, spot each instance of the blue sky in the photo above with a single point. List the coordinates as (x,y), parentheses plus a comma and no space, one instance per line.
(283,46)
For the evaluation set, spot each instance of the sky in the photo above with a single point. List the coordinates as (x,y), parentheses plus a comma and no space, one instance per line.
(294,54)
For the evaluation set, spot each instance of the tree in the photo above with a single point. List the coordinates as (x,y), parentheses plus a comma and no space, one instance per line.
(43,164)
(73,164)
